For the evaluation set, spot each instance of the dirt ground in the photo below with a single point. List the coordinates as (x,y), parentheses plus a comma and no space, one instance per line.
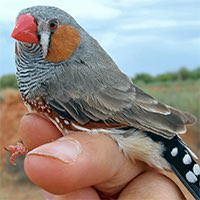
(11,111)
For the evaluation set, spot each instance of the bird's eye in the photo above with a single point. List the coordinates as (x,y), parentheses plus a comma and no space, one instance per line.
(53,24)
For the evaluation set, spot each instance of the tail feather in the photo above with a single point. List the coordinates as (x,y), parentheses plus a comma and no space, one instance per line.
(183,164)
(193,188)
(186,117)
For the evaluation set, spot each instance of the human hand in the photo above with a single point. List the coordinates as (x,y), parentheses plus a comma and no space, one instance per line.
(84,166)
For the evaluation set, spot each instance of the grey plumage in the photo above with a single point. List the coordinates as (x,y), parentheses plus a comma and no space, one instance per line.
(91,79)
(89,87)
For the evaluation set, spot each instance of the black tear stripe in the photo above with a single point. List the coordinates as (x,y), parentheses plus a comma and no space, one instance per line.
(174,152)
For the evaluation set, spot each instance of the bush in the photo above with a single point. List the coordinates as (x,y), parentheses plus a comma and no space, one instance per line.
(195,74)
(8,81)
(166,77)
(182,75)
(144,77)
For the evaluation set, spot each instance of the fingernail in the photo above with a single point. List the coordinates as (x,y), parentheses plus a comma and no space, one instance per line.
(64,149)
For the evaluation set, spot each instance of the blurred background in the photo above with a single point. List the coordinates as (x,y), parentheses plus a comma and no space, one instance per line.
(155,42)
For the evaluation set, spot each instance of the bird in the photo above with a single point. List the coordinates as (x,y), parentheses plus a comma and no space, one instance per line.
(64,74)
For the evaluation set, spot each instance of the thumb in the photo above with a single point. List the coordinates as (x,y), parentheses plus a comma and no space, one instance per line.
(77,161)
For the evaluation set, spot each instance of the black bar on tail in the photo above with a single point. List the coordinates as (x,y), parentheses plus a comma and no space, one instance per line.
(182,163)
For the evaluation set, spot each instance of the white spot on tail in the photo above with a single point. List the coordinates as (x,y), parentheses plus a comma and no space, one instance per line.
(190,176)
(174,151)
(187,159)
(190,151)
(196,169)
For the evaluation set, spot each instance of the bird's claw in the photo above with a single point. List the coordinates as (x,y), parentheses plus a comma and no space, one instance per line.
(16,150)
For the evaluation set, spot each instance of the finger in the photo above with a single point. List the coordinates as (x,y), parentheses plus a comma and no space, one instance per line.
(180,185)
(79,161)
(83,194)
(36,130)
(151,185)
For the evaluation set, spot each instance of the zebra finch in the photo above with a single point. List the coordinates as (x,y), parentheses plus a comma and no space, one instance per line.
(64,74)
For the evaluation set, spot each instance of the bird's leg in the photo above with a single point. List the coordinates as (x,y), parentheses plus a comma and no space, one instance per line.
(16,150)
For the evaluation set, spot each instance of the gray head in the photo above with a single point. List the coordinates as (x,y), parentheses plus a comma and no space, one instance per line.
(48,41)
(46,13)
(43,25)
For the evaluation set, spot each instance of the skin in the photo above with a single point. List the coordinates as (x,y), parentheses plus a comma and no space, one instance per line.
(98,168)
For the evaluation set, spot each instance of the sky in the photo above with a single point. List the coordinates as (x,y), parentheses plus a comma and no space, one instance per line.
(151,36)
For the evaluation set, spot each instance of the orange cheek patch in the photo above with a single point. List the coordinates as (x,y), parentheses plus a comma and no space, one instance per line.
(64,41)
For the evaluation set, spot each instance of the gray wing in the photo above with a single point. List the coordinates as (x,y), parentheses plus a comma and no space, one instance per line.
(122,103)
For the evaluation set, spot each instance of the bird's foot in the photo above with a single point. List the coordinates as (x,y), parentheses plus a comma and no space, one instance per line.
(16,150)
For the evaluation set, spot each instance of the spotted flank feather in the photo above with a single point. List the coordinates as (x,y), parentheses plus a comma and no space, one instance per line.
(182,161)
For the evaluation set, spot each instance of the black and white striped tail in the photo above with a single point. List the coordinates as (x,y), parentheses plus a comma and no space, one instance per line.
(181,161)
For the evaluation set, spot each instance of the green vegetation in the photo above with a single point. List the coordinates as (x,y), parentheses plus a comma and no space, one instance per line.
(8,81)
(181,75)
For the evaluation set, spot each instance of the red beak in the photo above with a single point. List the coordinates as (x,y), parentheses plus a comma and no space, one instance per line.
(25,29)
